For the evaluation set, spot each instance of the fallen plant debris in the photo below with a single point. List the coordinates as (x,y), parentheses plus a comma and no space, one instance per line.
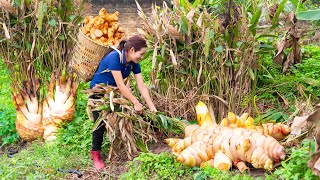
(312,123)
(289,40)
(126,129)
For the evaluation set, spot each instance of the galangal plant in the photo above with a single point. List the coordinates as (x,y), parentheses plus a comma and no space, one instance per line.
(209,52)
(35,42)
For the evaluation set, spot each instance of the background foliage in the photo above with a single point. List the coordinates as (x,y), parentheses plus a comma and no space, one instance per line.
(276,96)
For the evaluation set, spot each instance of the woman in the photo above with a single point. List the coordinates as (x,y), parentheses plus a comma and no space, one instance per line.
(112,70)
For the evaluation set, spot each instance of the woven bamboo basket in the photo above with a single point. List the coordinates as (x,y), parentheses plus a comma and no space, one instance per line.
(86,56)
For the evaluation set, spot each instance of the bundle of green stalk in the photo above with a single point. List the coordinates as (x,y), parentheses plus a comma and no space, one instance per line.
(125,128)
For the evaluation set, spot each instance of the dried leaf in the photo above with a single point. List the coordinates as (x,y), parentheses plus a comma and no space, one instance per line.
(280,45)
(111,100)
(200,71)
(314,117)
(199,21)
(142,32)
(278,59)
(289,62)
(6,31)
(33,45)
(173,58)
(298,124)
(154,59)
(177,3)
(314,163)
(173,31)
(140,11)
(273,10)
(7,6)
(190,15)
(211,111)
(297,52)
(292,17)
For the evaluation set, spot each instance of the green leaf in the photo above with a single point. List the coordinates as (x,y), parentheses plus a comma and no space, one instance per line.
(251,74)
(170,124)
(61,37)
(200,176)
(254,22)
(184,24)
(207,43)
(309,15)
(228,63)
(312,82)
(185,4)
(227,36)
(163,49)
(239,44)
(60,10)
(160,58)
(52,22)
(42,9)
(197,2)
(72,17)
(278,12)
(163,121)
(219,49)
(141,145)
(298,5)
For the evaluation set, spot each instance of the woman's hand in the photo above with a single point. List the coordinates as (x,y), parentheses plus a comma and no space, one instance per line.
(138,107)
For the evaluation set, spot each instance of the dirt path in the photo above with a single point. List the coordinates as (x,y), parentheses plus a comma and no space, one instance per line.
(128,17)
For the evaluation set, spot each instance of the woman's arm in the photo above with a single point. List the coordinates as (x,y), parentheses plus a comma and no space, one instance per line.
(144,92)
(125,91)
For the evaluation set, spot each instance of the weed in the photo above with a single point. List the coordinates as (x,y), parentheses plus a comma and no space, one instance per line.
(40,162)
(214,173)
(8,131)
(296,167)
(157,166)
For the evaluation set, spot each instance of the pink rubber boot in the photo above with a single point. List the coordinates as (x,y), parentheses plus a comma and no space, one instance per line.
(97,160)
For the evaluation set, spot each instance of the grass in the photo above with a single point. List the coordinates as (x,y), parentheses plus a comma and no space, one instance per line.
(41,161)
(8,132)
(280,92)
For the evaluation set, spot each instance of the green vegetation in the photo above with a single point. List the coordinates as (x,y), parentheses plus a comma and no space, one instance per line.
(274,96)
(42,161)
(8,131)
(296,167)
(159,166)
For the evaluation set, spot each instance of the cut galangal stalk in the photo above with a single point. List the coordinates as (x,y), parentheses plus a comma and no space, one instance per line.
(59,106)
(28,109)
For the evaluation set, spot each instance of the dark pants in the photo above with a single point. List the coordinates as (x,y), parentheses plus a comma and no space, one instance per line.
(97,135)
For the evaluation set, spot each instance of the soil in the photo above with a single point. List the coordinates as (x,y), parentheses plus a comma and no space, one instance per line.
(13,148)
(116,168)
(128,17)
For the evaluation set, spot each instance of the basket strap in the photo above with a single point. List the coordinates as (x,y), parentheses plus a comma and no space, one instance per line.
(120,55)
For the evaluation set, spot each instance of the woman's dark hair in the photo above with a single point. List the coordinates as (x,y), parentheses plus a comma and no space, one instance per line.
(135,41)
